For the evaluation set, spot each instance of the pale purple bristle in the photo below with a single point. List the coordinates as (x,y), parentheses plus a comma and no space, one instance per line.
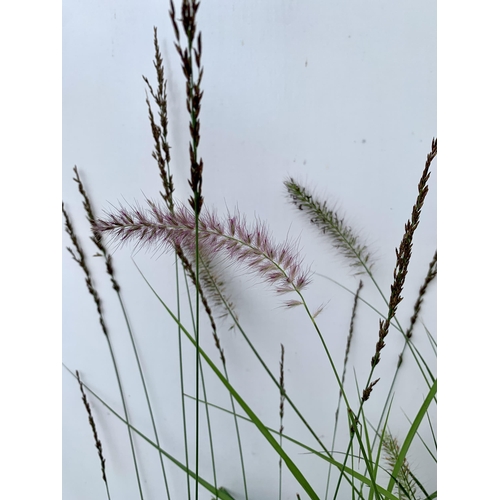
(250,244)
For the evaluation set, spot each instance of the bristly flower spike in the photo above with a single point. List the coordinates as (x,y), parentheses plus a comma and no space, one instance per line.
(278,264)
(194,93)
(331,224)
(161,153)
(97,442)
(403,255)
(79,258)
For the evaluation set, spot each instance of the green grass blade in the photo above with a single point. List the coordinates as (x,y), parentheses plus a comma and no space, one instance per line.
(419,484)
(432,432)
(380,447)
(216,288)
(411,434)
(269,372)
(146,393)
(257,422)
(223,495)
(422,440)
(432,340)
(340,466)
(368,444)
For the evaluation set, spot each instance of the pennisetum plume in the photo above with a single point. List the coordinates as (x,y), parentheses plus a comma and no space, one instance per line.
(279,265)
(331,224)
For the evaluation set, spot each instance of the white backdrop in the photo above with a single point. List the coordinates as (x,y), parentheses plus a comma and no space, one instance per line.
(341,95)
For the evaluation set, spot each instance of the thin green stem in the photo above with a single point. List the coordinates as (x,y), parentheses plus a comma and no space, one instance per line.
(348,344)
(222,494)
(181,372)
(362,449)
(269,372)
(326,457)
(399,328)
(257,422)
(145,388)
(126,417)
(207,413)
(79,258)
(197,338)
(282,413)
(352,468)
(238,437)
(323,344)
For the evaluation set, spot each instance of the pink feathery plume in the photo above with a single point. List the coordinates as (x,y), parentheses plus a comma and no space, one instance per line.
(278,264)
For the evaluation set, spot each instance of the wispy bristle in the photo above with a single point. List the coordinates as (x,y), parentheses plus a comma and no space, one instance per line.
(215,286)
(331,224)
(251,245)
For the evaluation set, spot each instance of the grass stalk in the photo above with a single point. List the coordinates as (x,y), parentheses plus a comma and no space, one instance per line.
(258,423)
(161,154)
(318,454)
(202,378)
(79,257)
(213,285)
(223,495)
(282,413)
(431,274)
(97,240)
(181,373)
(346,356)
(271,375)
(403,256)
(194,94)
(347,241)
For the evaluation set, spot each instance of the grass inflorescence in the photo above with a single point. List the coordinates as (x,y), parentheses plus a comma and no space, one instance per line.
(203,243)
(93,426)
(332,224)
(403,255)
(280,265)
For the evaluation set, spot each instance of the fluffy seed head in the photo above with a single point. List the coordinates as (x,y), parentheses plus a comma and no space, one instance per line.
(250,244)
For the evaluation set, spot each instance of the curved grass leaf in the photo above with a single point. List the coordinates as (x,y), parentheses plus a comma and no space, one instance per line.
(411,434)
(222,494)
(258,423)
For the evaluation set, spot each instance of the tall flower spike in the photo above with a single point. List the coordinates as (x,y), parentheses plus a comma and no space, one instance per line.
(97,442)
(193,90)
(403,254)
(161,153)
(331,225)
(277,264)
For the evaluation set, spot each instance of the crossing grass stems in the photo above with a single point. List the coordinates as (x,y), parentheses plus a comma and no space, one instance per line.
(200,241)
